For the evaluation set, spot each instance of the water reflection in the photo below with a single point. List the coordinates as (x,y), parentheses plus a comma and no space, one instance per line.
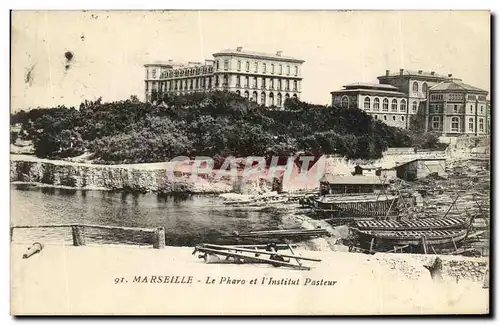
(188,219)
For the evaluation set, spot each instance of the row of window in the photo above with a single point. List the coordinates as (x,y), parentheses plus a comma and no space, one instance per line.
(414,87)
(255,67)
(473,97)
(385,117)
(455,124)
(385,104)
(264,84)
(181,72)
(450,97)
(263,98)
(203,83)
(437,108)
(183,84)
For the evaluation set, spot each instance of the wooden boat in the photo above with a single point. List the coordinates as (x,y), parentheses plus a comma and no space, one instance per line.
(419,240)
(239,202)
(281,233)
(265,202)
(356,206)
(414,225)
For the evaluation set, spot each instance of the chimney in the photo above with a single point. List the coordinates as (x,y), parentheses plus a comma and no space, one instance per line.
(278,53)
(387,72)
(432,73)
(420,71)
(449,75)
(239,48)
(401,71)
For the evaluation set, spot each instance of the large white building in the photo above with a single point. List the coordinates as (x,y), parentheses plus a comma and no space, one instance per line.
(267,79)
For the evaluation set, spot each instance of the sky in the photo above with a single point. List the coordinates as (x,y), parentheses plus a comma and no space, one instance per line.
(339,47)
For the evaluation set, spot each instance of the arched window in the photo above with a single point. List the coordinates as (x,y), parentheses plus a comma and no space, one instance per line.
(295,96)
(385,105)
(238,92)
(344,102)
(263,98)
(424,88)
(455,124)
(481,125)
(247,94)
(414,107)
(271,99)
(225,80)
(394,105)
(436,121)
(471,124)
(402,107)
(415,86)
(385,117)
(287,95)
(254,97)
(367,103)
(279,100)
(376,104)
(376,117)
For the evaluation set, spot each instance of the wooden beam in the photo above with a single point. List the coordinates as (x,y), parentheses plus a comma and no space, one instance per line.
(371,244)
(258,251)
(159,242)
(291,250)
(78,233)
(252,258)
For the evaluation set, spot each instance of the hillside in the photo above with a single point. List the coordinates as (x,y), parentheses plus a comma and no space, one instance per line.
(216,124)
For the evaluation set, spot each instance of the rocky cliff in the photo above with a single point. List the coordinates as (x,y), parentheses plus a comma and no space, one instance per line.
(88,176)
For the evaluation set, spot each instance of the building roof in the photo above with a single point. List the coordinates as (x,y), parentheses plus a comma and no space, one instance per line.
(371,91)
(418,159)
(159,64)
(253,54)
(455,85)
(356,179)
(416,74)
(370,85)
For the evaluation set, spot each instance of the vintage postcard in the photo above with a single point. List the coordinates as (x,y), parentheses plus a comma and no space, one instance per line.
(250,162)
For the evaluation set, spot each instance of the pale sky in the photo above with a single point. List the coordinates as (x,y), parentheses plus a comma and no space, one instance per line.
(111,47)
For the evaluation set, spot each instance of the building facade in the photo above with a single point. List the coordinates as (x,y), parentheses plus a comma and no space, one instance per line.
(382,102)
(415,84)
(266,79)
(456,108)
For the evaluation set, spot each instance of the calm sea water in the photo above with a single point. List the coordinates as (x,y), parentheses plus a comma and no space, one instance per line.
(188,219)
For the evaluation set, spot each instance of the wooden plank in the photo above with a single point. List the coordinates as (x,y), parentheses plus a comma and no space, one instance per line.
(85,225)
(424,245)
(252,258)
(371,244)
(260,252)
(262,246)
(291,250)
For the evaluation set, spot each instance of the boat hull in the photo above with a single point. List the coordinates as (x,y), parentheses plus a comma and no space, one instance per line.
(437,240)
(415,225)
(356,207)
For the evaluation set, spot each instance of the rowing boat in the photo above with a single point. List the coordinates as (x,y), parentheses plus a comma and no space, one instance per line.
(415,225)
(380,240)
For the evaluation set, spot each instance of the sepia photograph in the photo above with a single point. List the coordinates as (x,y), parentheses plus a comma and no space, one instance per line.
(250,162)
